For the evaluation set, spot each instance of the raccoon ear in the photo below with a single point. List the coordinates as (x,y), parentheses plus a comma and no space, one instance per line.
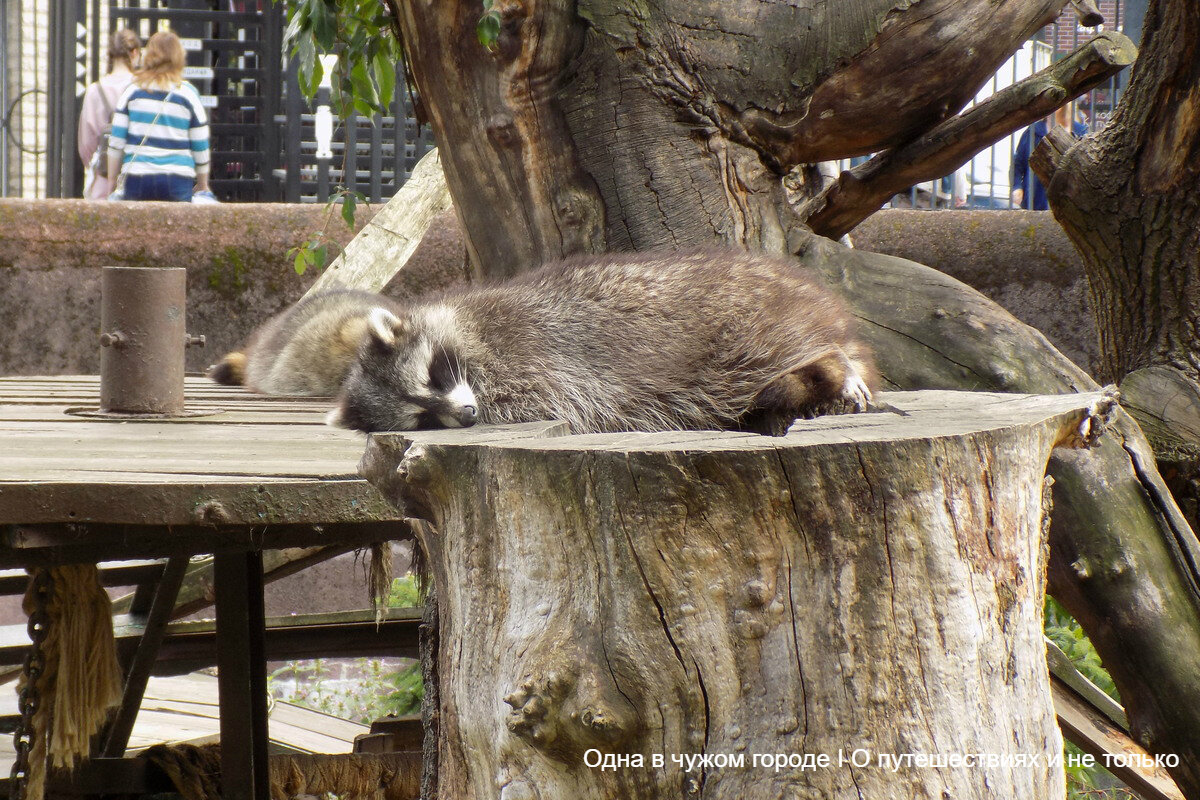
(385,327)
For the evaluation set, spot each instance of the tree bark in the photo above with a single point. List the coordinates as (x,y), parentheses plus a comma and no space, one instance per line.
(1136,591)
(1127,196)
(861,191)
(871,582)
(601,124)
(1128,199)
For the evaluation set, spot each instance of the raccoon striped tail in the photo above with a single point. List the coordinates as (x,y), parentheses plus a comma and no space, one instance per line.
(230,370)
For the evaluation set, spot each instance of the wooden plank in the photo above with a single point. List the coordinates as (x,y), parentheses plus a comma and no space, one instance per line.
(57,544)
(112,573)
(153,630)
(1095,733)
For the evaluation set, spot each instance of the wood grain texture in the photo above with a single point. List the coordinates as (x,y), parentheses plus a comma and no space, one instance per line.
(388,240)
(869,581)
(256,462)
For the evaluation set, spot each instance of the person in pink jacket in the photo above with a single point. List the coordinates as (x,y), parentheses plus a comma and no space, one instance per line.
(99,101)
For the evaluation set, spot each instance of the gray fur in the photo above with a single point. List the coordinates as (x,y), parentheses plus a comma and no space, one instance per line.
(307,349)
(620,342)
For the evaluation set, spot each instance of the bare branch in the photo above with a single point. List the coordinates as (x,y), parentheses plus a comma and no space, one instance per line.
(1089,15)
(861,191)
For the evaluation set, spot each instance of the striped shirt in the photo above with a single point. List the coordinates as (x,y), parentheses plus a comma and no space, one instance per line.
(161,132)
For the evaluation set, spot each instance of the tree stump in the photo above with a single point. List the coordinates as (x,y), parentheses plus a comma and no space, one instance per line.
(866,592)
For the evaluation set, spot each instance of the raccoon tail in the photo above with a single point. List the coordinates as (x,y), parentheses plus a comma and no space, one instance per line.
(230,370)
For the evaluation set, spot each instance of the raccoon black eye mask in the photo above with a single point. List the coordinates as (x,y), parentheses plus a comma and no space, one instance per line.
(694,340)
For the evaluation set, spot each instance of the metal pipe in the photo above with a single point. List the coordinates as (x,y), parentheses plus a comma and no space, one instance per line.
(143,335)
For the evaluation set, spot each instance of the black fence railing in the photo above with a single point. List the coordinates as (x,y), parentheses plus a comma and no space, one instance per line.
(262,133)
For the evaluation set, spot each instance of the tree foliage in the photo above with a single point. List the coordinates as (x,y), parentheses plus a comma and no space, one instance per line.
(361,34)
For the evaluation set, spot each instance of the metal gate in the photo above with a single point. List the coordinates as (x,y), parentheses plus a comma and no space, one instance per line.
(263,144)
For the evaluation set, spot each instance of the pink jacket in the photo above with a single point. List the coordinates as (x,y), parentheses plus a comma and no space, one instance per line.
(93,119)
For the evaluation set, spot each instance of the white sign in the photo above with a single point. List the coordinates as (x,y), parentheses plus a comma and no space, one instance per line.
(208,100)
(203,73)
(190,44)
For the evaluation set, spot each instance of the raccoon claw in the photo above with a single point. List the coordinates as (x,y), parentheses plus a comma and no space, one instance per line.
(855,393)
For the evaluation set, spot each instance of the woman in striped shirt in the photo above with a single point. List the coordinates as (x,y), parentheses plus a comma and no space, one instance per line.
(160,129)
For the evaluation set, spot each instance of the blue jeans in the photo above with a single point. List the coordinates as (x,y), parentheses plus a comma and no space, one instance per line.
(159,187)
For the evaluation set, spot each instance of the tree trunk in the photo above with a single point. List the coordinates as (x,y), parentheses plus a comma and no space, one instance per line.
(1136,596)
(601,124)
(1128,198)
(870,583)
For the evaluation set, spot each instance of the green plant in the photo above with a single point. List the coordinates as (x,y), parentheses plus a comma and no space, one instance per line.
(1083,782)
(377,692)
(360,32)
(405,593)
(314,252)
(1064,631)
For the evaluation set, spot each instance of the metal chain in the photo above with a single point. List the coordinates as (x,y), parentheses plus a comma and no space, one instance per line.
(30,697)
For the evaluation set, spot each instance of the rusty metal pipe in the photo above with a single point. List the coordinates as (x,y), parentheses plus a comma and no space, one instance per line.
(143,334)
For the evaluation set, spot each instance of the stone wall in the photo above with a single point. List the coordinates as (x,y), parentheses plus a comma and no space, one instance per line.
(239,272)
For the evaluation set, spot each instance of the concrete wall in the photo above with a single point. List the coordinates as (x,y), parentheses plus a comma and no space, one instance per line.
(239,273)
(51,252)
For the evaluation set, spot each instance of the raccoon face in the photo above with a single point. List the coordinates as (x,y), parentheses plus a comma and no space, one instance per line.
(403,380)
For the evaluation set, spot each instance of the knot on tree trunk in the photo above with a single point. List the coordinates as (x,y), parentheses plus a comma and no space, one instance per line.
(568,706)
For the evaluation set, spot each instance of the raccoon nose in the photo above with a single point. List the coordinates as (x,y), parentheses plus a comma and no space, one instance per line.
(468,416)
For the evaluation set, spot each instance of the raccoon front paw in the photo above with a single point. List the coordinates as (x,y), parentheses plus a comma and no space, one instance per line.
(855,395)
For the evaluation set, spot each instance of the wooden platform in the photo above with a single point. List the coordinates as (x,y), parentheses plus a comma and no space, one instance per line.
(244,474)
(184,709)
(256,461)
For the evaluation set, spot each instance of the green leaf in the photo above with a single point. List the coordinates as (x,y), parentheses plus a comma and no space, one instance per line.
(301,262)
(488,29)
(364,87)
(348,204)
(324,24)
(319,256)
(385,76)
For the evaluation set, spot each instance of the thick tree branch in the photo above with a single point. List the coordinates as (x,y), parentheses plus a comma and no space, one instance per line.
(861,191)
(390,238)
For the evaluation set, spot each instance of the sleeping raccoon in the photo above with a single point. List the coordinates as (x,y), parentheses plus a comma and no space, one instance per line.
(622,342)
(307,349)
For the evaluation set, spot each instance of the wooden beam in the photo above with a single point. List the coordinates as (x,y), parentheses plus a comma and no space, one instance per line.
(192,645)
(51,544)
(117,735)
(388,240)
(1095,733)
(196,592)
(242,676)
(112,573)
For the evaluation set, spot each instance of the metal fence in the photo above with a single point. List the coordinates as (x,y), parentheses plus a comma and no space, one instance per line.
(263,144)
(24,96)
